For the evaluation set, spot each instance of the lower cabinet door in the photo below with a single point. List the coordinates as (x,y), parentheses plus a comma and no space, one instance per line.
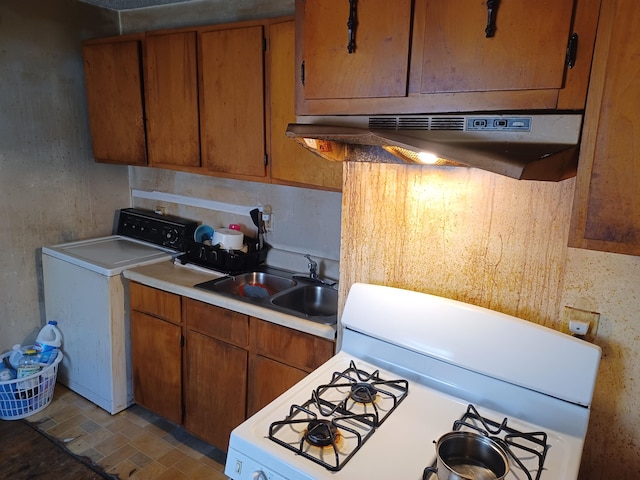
(216,392)
(156,355)
(268,379)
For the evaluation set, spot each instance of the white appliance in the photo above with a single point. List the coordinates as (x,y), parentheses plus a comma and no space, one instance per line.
(85,292)
(412,368)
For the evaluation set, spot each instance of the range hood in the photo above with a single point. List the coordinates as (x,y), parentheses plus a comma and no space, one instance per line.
(526,147)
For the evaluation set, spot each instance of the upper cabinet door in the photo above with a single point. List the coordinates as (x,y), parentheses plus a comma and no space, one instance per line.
(527,50)
(434,56)
(606,207)
(171,93)
(232,123)
(290,163)
(113,83)
(378,63)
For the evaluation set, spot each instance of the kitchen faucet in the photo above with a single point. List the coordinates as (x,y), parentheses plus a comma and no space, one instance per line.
(313,276)
(313,267)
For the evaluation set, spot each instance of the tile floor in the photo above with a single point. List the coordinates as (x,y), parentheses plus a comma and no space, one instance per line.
(133,444)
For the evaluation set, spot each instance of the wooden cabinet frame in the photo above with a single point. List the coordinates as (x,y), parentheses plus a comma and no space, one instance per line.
(571,96)
(210,368)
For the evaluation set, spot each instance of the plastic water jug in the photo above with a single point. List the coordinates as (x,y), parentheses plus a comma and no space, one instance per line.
(17,351)
(48,342)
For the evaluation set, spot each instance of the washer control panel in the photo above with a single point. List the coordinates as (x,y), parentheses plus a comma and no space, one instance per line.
(163,230)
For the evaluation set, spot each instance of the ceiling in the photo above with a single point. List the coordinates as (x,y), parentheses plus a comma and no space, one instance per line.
(130,4)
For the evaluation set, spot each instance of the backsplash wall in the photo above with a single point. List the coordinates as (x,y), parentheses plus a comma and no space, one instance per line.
(502,244)
(305,221)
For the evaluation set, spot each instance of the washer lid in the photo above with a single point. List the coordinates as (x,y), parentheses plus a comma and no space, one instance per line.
(108,255)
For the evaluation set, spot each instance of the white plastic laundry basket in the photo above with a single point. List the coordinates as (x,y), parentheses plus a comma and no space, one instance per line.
(22,397)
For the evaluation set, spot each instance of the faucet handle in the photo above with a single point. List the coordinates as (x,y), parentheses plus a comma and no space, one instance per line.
(313,266)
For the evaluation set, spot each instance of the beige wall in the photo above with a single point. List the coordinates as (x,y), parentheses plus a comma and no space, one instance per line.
(51,190)
(502,244)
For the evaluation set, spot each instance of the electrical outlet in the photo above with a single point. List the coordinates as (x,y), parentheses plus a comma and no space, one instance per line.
(575,321)
(267,218)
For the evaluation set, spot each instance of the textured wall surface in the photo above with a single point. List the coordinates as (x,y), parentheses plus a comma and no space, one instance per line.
(610,284)
(51,190)
(202,12)
(304,220)
(502,244)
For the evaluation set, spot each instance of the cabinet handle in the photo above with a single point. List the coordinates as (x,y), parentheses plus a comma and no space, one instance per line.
(352,23)
(572,50)
(492,11)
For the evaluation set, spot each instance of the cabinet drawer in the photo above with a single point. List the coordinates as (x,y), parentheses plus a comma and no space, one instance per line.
(289,346)
(217,322)
(155,302)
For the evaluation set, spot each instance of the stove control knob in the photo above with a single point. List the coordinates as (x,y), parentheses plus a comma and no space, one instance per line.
(171,236)
(259,475)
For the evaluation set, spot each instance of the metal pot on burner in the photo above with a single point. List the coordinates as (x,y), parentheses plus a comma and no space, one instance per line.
(468,456)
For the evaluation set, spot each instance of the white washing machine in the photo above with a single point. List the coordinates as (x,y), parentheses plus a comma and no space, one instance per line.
(84,291)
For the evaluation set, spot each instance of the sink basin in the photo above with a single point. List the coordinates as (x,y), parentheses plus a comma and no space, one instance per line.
(277,290)
(251,285)
(311,300)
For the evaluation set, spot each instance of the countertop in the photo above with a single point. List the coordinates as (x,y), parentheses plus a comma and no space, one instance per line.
(180,280)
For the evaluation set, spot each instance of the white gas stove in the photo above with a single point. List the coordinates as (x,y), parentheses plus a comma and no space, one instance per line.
(413,367)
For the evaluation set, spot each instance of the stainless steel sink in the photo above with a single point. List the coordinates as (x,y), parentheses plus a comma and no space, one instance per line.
(277,289)
(252,285)
(311,300)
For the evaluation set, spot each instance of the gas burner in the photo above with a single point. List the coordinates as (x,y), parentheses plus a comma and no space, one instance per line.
(355,391)
(518,445)
(330,441)
(321,433)
(362,392)
(334,423)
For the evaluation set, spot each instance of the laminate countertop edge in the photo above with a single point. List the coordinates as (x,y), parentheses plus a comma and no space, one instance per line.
(180,280)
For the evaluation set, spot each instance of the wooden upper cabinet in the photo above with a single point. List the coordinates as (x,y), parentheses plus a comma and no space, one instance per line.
(381,35)
(606,210)
(171,94)
(526,52)
(289,162)
(232,121)
(447,63)
(113,82)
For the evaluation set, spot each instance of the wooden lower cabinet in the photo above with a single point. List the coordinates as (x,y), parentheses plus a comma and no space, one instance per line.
(280,358)
(227,367)
(156,351)
(268,379)
(215,388)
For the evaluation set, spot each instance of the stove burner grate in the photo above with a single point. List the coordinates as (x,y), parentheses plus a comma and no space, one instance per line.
(340,417)
(324,434)
(366,389)
(514,442)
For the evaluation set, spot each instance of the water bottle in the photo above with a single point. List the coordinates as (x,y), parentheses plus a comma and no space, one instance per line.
(16,355)
(48,342)
(29,364)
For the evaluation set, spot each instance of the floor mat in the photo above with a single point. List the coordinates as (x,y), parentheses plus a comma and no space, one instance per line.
(27,453)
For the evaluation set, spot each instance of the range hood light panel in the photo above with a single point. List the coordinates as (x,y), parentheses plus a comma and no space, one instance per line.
(531,146)
(421,157)
(427,158)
